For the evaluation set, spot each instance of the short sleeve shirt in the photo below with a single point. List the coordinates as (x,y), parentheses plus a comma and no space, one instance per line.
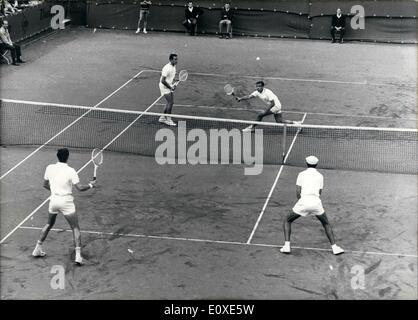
(169,71)
(311,181)
(266,95)
(61,178)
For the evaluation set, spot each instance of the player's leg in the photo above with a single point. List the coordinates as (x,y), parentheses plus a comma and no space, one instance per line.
(139,22)
(260,117)
(72,220)
(38,251)
(145,18)
(167,109)
(330,234)
(287,229)
(279,119)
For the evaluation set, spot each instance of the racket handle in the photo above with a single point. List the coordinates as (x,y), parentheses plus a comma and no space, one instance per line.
(94,173)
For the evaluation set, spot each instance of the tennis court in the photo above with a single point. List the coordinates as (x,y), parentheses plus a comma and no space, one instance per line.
(185,231)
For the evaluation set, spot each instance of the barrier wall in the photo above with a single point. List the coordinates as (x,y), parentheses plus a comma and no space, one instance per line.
(385,21)
(29,22)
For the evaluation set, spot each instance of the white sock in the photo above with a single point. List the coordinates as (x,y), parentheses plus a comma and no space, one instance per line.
(287,243)
(334,246)
(78,252)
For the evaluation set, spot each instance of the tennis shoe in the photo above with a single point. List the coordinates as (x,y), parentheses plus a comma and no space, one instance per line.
(285,249)
(248,129)
(38,252)
(79,260)
(138,30)
(337,250)
(145,31)
(170,122)
(162,119)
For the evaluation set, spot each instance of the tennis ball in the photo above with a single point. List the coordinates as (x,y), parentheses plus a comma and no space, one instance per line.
(258,58)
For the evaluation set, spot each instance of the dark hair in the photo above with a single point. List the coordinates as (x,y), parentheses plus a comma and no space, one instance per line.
(311,165)
(172,55)
(63,154)
(260,82)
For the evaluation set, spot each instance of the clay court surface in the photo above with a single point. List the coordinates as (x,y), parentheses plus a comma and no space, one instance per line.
(209,231)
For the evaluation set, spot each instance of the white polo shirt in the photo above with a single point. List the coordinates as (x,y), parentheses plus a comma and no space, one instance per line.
(267,95)
(169,71)
(311,182)
(61,178)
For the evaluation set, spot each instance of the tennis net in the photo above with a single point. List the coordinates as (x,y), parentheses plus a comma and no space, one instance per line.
(344,148)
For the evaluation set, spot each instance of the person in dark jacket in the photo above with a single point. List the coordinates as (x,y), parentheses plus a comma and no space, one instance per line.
(226,19)
(192,14)
(338,25)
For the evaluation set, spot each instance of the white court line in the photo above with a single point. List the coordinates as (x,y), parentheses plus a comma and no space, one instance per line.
(274,185)
(363,83)
(127,235)
(70,125)
(79,170)
(289,107)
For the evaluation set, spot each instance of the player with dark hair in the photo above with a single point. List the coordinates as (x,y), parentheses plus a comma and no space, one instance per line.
(167,87)
(59,179)
(274,106)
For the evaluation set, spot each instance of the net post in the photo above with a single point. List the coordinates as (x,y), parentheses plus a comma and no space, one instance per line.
(284,143)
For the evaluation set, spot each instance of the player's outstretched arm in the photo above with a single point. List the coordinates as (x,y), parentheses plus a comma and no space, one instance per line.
(46,185)
(248,97)
(84,187)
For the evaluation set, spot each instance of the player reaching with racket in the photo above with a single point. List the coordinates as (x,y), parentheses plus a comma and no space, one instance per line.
(59,179)
(274,106)
(167,87)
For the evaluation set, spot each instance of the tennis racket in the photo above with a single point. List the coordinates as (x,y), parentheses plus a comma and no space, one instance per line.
(229,90)
(97,159)
(183,75)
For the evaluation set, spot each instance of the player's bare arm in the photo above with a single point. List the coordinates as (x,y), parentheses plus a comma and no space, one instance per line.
(164,82)
(84,187)
(46,185)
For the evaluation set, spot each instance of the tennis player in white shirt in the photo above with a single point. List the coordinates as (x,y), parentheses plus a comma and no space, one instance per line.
(59,178)
(167,87)
(309,185)
(274,106)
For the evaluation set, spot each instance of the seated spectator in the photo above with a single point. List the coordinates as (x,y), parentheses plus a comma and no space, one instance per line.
(7,44)
(143,15)
(226,19)
(192,15)
(9,8)
(338,25)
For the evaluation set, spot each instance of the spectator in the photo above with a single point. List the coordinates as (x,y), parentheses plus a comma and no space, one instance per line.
(226,19)
(9,8)
(338,25)
(192,14)
(143,15)
(7,44)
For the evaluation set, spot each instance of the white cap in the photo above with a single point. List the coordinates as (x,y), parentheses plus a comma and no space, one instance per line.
(311,160)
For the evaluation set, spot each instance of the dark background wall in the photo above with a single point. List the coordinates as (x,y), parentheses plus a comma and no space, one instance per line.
(385,21)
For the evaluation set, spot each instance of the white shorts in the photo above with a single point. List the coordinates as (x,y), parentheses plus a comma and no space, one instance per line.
(163,89)
(276,109)
(61,204)
(308,205)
